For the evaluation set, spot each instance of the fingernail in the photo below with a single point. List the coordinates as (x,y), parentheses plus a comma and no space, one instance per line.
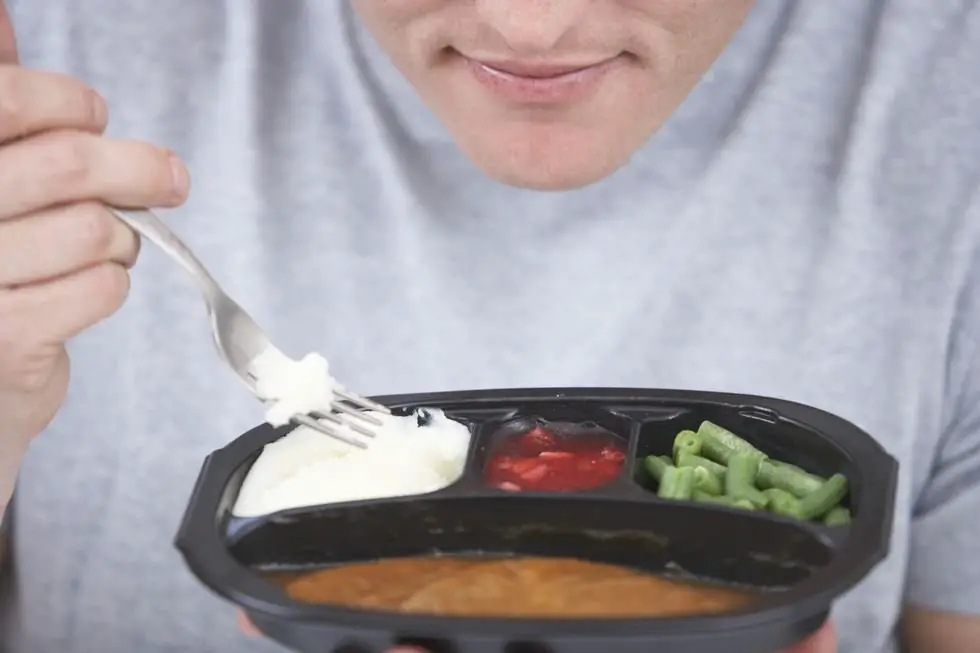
(181,180)
(246,626)
(100,110)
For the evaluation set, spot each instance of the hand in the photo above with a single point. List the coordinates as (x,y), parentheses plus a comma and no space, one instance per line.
(63,256)
(824,641)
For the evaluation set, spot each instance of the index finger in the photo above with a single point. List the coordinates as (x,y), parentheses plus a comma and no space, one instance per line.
(33,101)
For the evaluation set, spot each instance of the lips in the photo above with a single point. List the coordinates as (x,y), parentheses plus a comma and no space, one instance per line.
(541,83)
(536,71)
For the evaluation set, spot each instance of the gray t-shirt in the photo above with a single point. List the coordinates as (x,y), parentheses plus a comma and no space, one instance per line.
(806,226)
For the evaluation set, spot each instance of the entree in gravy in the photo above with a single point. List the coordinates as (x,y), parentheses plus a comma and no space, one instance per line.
(507,587)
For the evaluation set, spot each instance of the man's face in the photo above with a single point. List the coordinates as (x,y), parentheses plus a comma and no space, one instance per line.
(552,94)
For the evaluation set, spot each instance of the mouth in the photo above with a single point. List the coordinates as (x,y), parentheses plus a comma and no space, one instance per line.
(541,82)
(544,70)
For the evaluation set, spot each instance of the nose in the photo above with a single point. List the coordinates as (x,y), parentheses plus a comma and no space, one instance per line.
(531,26)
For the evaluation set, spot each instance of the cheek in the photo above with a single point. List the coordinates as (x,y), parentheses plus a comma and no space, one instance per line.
(680,16)
(385,18)
(375,11)
(411,32)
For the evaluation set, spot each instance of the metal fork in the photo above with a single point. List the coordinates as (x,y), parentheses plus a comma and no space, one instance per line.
(240,340)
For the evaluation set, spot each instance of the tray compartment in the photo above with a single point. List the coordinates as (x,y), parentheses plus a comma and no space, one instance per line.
(264,434)
(674,539)
(780,437)
(553,448)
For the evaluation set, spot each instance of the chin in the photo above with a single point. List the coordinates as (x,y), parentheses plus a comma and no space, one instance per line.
(548,157)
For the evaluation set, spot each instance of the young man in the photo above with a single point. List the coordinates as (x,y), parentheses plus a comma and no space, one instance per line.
(772,197)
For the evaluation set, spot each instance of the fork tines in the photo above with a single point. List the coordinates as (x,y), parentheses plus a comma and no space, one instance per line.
(348,414)
(361,402)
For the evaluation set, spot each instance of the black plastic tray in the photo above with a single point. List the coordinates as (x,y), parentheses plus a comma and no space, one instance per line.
(803,567)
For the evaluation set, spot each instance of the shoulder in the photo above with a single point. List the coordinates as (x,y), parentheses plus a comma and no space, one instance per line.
(928,108)
(913,154)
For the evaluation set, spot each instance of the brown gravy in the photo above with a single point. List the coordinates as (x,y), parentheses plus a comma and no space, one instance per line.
(507,587)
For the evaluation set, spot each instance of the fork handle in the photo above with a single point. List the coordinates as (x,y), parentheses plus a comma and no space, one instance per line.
(146,223)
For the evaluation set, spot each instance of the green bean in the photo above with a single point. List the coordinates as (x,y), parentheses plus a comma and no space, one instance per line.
(740,480)
(655,466)
(784,503)
(704,497)
(722,468)
(718,444)
(783,463)
(819,503)
(688,441)
(787,477)
(677,483)
(742,471)
(707,482)
(708,476)
(707,497)
(685,459)
(839,516)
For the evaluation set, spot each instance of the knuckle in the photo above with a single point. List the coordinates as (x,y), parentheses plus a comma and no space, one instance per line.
(67,157)
(22,367)
(94,229)
(10,326)
(29,376)
(11,99)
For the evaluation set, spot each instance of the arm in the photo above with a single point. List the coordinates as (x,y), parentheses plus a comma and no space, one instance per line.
(942,601)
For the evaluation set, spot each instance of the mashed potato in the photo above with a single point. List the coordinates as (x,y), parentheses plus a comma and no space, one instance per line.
(289,387)
(414,454)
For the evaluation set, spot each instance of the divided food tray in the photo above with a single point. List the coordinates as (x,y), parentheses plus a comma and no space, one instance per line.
(798,568)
